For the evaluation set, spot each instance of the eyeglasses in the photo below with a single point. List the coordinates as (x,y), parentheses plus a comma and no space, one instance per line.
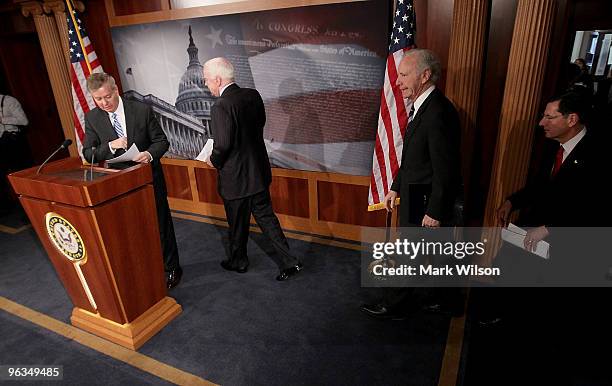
(551,117)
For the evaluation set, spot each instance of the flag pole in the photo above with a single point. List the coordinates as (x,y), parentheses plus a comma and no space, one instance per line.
(76,27)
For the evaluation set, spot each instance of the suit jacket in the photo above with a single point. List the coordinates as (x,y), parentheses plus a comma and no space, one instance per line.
(143,129)
(429,178)
(575,197)
(239,153)
(571,197)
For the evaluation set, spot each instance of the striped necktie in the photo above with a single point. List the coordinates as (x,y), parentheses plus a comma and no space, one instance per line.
(117,125)
(410,118)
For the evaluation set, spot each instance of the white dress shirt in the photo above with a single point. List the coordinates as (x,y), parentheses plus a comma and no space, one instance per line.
(419,101)
(571,144)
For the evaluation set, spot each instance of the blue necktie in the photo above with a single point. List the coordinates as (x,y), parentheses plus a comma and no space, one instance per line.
(117,125)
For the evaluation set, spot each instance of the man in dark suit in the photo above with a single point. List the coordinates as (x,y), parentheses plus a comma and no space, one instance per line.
(244,175)
(113,127)
(568,167)
(429,178)
(565,194)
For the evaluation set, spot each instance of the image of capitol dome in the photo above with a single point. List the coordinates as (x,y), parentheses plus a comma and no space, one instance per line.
(187,123)
(194,98)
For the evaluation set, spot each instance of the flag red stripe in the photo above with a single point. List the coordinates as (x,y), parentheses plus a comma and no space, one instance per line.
(389,149)
(386,114)
(76,86)
(402,115)
(77,126)
(382,169)
(86,71)
(373,189)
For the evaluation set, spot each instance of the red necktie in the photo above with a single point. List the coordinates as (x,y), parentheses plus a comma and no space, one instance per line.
(558,161)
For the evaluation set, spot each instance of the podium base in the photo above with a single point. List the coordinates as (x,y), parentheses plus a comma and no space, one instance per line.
(131,335)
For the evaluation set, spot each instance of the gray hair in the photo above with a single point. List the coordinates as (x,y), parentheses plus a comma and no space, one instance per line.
(220,67)
(99,79)
(426,59)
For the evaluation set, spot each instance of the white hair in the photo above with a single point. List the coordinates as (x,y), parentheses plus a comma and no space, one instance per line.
(220,67)
(426,59)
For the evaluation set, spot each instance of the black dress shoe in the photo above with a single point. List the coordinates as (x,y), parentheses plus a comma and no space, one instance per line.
(227,266)
(174,277)
(287,273)
(437,308)
(381,312)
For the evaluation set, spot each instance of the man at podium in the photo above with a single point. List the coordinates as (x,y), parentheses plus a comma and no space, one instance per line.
(110,129)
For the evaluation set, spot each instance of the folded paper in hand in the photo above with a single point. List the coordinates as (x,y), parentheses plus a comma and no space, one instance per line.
(204,155)
(516,236)
(129,155)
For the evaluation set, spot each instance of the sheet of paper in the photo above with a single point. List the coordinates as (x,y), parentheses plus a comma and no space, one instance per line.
(129,155)
(204,155)
(516,236)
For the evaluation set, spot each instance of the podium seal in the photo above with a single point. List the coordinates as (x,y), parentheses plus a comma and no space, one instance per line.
(65,237)
(68,241)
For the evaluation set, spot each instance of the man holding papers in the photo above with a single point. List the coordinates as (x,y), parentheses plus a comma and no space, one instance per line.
(116,125)
(562,197)
(563,193)
(240,157)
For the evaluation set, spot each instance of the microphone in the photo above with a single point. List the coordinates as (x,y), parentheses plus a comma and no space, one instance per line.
(64,145)
(93,153)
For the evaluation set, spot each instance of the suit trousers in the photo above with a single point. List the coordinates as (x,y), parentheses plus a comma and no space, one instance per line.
(166,230)
(238,214)
(402,299)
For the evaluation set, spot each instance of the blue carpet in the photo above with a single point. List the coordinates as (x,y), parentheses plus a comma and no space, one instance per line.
(26,344)
(249,329)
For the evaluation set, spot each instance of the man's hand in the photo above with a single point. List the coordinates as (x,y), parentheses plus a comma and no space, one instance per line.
(119,143)
(209,163)
(533,237)
(503,213)
(143,157)
(390,200)
(429,222)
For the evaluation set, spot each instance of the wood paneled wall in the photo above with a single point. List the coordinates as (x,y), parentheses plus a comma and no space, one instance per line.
(434,22)
(499,39)
(123,8)
(326,204)
(96,22)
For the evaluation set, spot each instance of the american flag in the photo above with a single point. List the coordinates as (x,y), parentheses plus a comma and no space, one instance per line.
(392,119)
(83,62)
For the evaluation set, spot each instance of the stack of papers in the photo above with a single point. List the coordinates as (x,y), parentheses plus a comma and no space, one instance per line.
(516,236)
(129,155)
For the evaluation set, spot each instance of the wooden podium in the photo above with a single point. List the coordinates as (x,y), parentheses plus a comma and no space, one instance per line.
(100,231)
